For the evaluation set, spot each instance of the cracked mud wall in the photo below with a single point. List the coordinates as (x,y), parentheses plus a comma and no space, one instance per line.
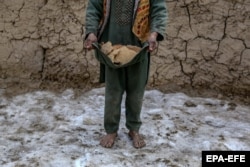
(41,45)
(207,46)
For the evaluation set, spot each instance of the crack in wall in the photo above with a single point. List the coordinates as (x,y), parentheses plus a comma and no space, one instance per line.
(189,75)
(189,15)
(186,49)
(225,27)
(44,50)
(241,53)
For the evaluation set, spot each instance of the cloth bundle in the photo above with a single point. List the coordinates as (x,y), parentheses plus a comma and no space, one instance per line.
(120,54)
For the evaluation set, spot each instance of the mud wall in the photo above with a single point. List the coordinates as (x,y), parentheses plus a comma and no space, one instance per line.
(207,46)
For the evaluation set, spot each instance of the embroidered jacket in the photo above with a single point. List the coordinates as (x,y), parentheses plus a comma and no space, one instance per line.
(148,16)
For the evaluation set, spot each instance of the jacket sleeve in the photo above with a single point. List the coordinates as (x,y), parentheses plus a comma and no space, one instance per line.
(94,14)
(158,18)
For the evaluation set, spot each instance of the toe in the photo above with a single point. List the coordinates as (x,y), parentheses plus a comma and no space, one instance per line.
(108,140)
(138,141)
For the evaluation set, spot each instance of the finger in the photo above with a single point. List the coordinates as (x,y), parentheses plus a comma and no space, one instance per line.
(152,46)
(88,44)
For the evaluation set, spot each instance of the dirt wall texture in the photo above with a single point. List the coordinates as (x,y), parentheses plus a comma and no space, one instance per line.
(207,46)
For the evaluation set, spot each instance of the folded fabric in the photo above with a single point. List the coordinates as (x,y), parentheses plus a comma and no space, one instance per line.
(117,56)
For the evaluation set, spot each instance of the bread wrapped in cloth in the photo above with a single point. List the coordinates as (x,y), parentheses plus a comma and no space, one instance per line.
(120,54)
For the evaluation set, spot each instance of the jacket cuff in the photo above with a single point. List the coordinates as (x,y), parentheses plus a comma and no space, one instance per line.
(88,32)
(160,37)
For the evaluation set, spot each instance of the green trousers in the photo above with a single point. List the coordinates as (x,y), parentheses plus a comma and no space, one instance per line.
(132,81)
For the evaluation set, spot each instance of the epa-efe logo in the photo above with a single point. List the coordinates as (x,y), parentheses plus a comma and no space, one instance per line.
(225,158)
(228,158)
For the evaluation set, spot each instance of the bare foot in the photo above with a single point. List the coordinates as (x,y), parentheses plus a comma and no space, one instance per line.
(108,140)
(138,141)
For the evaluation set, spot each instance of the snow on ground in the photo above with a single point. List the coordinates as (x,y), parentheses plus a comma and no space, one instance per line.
(45,129)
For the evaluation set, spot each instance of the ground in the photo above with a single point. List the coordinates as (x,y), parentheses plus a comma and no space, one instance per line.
(48,129)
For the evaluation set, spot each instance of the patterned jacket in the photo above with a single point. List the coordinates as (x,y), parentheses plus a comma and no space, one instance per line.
(148,16)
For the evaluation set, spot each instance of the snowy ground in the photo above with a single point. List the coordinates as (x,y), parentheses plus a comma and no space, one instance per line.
(46,129)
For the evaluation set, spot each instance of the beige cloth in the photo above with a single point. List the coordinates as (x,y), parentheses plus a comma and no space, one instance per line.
(119,54)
